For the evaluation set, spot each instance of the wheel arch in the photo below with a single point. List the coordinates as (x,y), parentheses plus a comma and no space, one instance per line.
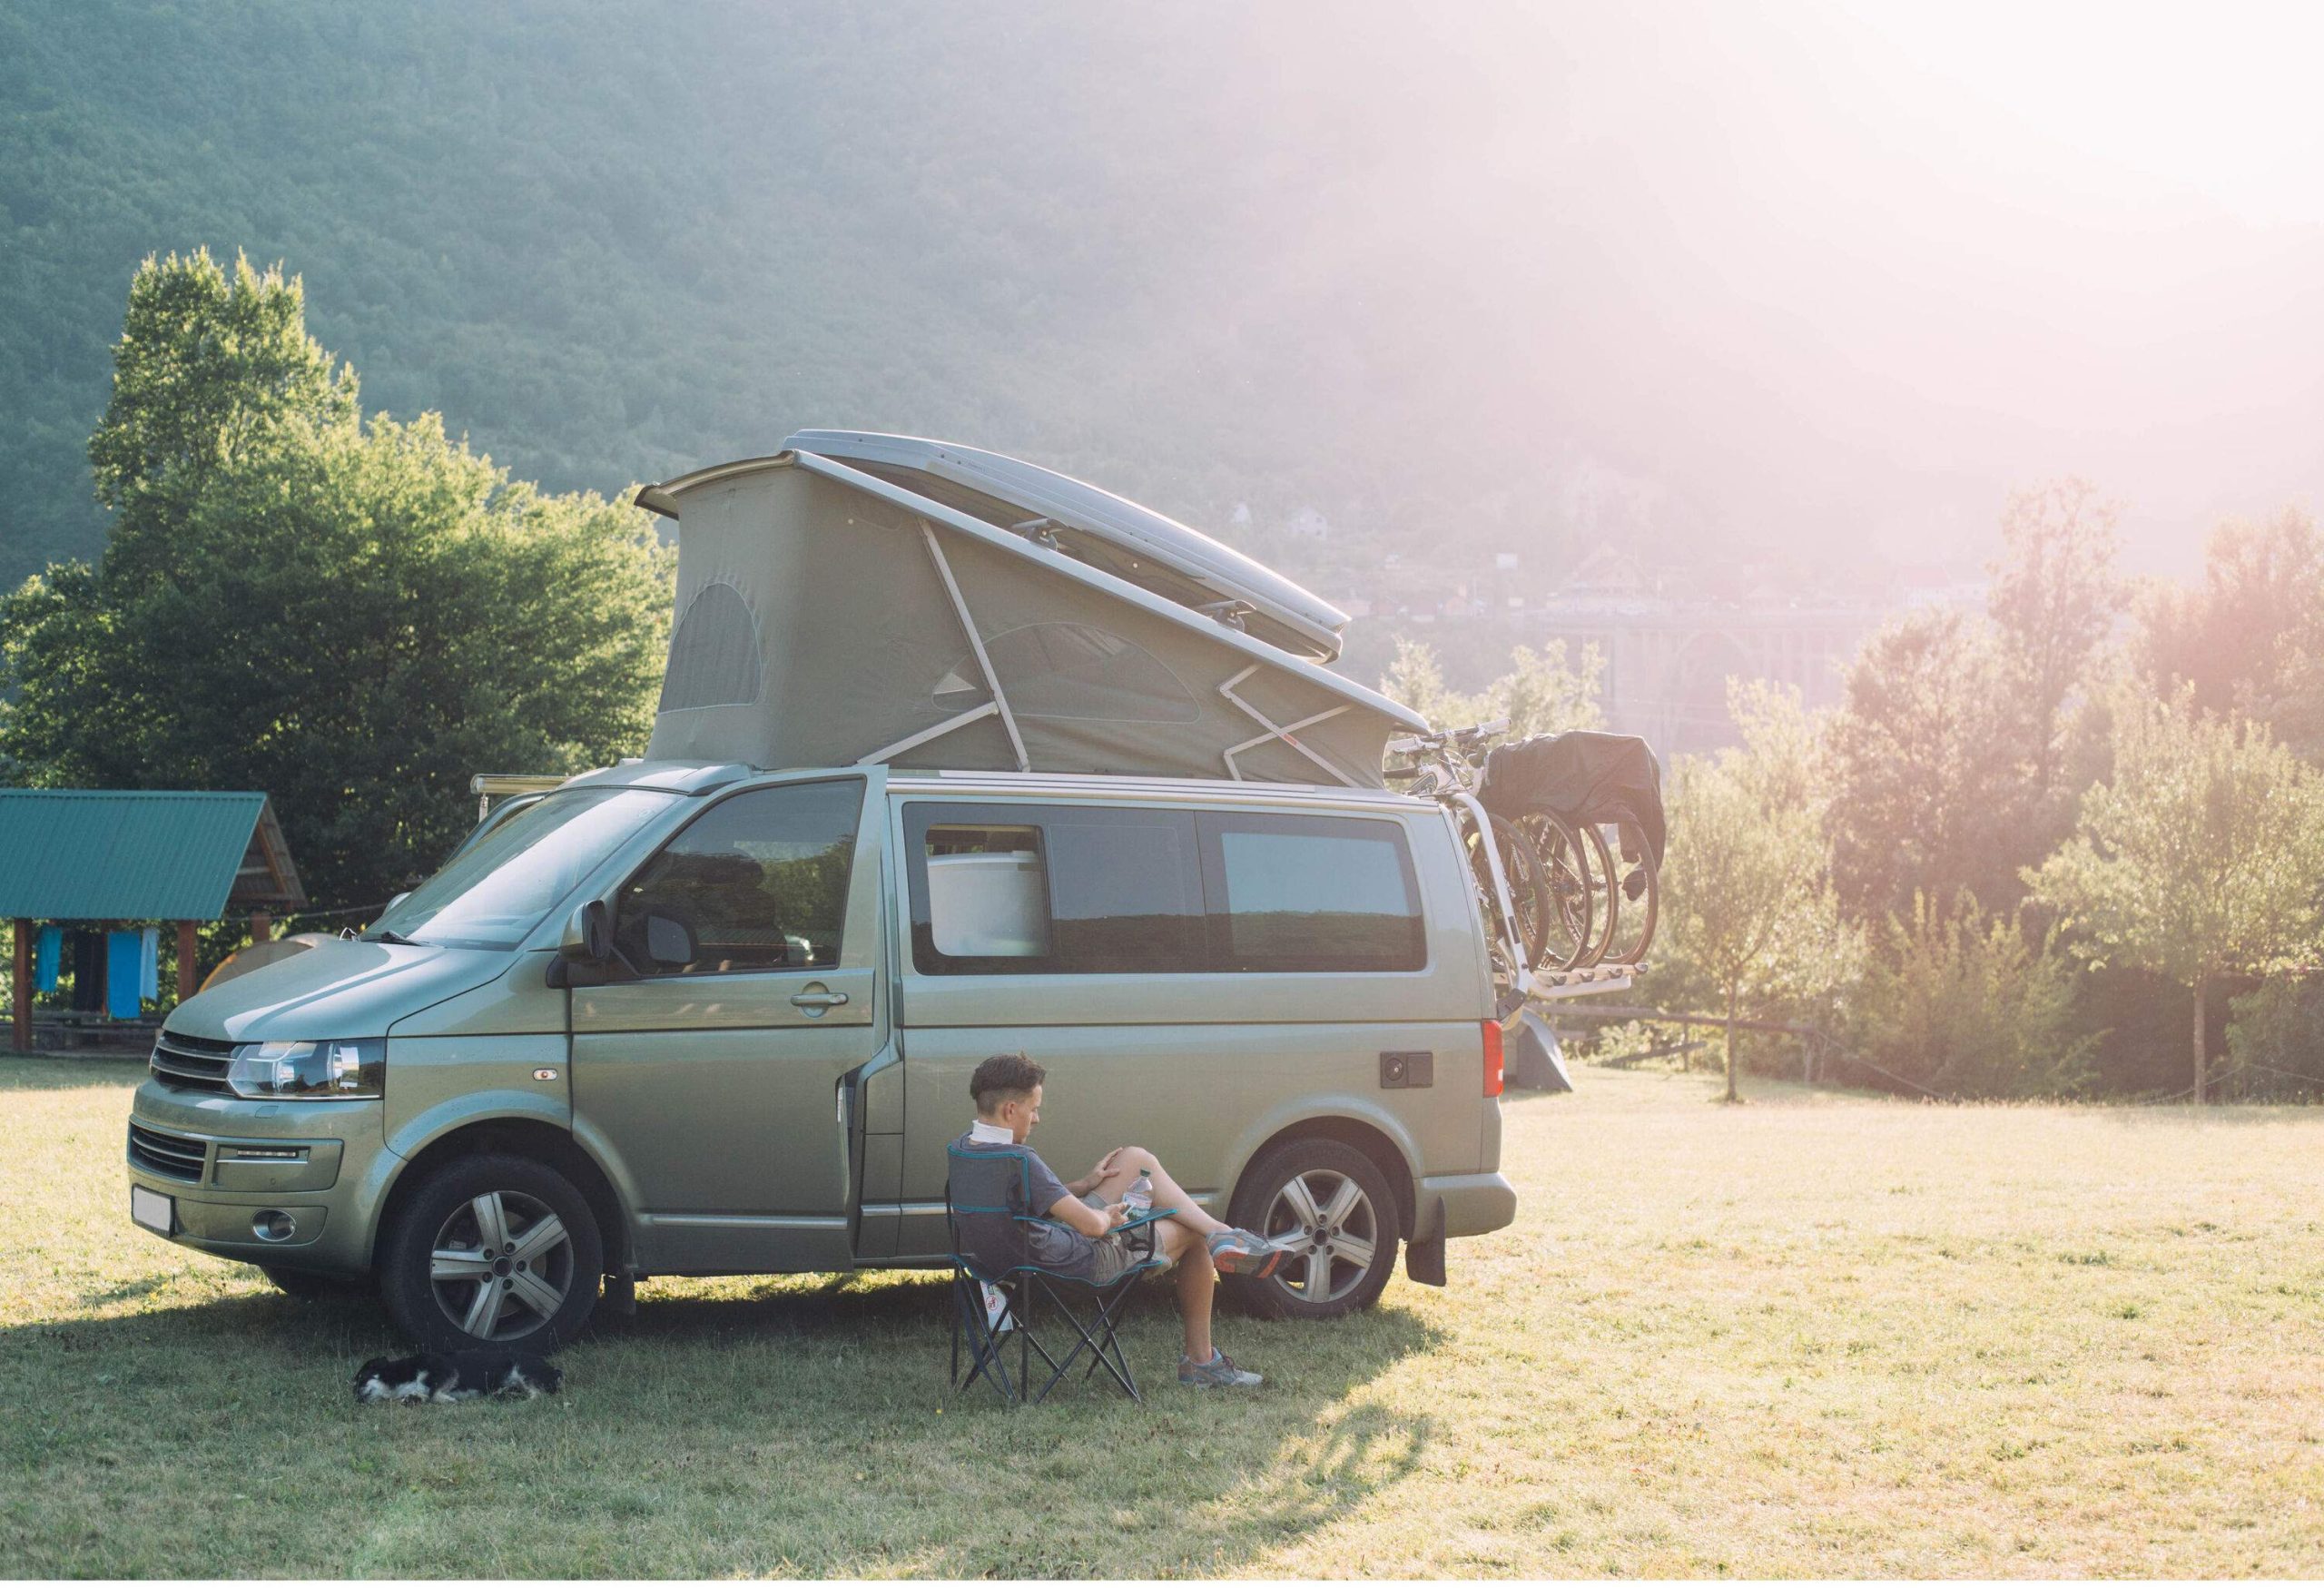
(1365,1138)
(522,1137)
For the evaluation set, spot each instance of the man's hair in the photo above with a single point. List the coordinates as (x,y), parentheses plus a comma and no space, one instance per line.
(1002,1077)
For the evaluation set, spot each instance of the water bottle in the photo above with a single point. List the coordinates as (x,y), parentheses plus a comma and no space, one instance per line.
(1139,1197)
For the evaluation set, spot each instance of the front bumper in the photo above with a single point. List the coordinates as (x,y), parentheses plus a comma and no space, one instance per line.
(223,1162)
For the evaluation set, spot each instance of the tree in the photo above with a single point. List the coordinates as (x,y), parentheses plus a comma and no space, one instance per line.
(207,370)
(2232,638)
(1742,881)
(1541,692)
(2202,860)
(1927,780)
(355,617)
(1961,1004)
(2055,596)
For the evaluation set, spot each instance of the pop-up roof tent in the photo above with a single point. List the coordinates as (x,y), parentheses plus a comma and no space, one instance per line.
(861,599)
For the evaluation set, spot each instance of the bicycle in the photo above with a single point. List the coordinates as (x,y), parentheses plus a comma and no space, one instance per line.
(1538,905)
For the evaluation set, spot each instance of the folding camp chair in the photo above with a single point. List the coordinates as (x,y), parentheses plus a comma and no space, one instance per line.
(987,1211)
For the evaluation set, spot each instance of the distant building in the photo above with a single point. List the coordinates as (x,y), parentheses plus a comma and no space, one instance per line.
(1504,562)
(1309,524)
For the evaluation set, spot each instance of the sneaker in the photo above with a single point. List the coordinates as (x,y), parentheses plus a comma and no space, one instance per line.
(1239,1251)
(1218,1373)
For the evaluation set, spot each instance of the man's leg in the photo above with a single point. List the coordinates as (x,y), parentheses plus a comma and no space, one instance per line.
(1168,1193)
(1197,1280)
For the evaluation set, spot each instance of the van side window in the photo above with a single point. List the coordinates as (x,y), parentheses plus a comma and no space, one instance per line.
(756,882)
(1310,894)
(1053,890)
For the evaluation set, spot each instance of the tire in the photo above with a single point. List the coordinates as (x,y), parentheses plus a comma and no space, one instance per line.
(302,1286)
(438,1299)
(1529,894)
(1603,880)
(1566,878)
(1636,891)
(1321,1168)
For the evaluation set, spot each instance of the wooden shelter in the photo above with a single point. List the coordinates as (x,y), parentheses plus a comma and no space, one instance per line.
(122,855)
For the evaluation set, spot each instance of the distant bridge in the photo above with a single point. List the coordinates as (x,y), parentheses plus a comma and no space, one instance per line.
(1667,670)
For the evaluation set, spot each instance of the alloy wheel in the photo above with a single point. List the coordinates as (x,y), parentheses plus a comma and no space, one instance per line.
(502,1265)
(1329,1232)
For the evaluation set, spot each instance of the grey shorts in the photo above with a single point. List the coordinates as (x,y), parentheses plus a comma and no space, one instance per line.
(1111,1255)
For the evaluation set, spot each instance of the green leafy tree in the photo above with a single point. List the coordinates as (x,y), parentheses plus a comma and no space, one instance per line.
(2233,637)
(1927,776)
(2055,596)
(1541,692)
(1743,884)
(1961,1004)
(2203,860)
(353,617)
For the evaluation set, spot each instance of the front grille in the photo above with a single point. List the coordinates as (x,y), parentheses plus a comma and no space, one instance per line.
(192,1063)
(176,1157)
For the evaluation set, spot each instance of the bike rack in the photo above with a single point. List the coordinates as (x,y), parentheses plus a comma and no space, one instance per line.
(1548,984)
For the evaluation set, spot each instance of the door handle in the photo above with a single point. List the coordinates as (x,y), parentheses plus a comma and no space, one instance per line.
(817,1000)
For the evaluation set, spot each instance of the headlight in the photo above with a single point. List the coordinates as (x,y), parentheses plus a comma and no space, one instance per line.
(309,1070)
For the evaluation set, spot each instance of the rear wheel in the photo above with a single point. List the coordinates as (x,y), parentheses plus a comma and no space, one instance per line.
(1571,916)
(1529,894)
(494,1251)
(1330,1207)
(1635,890)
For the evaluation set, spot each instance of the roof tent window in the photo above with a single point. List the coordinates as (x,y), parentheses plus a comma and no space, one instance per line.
(1073,670)
(1310,894)
(715,655)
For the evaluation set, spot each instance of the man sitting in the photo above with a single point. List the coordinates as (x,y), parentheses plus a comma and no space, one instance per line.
(1007,1088)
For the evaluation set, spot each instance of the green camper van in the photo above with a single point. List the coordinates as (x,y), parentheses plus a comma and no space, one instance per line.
(954,756)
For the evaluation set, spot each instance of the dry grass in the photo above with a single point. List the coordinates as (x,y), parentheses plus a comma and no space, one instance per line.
(1808,1337)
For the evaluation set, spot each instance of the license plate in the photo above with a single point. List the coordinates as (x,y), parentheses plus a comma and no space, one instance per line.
(154,1210)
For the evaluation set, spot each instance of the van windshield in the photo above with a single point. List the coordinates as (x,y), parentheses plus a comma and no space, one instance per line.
(493,892)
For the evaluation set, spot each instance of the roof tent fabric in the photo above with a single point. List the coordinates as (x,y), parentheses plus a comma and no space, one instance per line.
(826,618)
(1095,526)
(111,854)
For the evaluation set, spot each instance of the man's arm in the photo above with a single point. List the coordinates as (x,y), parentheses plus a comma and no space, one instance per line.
(1076,1213)
(1088,1182)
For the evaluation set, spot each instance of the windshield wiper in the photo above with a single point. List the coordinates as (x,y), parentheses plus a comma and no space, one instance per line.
(398,939)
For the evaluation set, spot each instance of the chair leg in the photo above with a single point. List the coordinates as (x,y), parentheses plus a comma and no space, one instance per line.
(987,1357)
(1098,1337)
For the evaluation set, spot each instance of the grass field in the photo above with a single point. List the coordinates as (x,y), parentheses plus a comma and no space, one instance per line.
(1811,1335)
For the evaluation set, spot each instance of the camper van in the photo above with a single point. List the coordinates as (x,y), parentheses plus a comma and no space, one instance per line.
(954,757)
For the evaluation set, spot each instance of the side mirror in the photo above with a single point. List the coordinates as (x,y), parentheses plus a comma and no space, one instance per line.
(670,942)
(584,950)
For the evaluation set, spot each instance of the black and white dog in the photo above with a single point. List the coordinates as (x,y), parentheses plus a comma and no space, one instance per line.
(443,1379)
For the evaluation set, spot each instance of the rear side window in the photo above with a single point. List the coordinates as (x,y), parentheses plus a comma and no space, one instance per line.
(1085,890)
(1059,889)
(1310,894)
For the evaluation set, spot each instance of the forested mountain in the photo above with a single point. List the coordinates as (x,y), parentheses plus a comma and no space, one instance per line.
(614,242)
(1524,278)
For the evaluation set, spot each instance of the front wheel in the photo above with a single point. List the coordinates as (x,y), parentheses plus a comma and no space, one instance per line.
(1330,1208)
(493,1251)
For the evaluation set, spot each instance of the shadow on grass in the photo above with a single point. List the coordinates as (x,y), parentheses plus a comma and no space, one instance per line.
(741,1408)
(69,1073)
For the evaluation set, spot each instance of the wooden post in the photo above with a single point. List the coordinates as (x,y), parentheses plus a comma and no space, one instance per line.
(262,926)
(22,1035)
(189,961)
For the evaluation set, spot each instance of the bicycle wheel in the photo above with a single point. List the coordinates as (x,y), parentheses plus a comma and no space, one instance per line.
(1565,865)
(1605,904)
(1636,892)
(1528,895)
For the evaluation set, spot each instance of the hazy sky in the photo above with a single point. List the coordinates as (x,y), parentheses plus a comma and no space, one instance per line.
(1863,268)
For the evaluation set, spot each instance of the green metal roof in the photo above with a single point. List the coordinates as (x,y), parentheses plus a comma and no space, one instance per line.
(120,854)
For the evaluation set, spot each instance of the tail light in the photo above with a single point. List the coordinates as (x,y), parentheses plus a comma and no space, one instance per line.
(1492,1058)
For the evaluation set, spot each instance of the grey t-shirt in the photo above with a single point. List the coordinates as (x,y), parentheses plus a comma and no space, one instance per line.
(1051,1246)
